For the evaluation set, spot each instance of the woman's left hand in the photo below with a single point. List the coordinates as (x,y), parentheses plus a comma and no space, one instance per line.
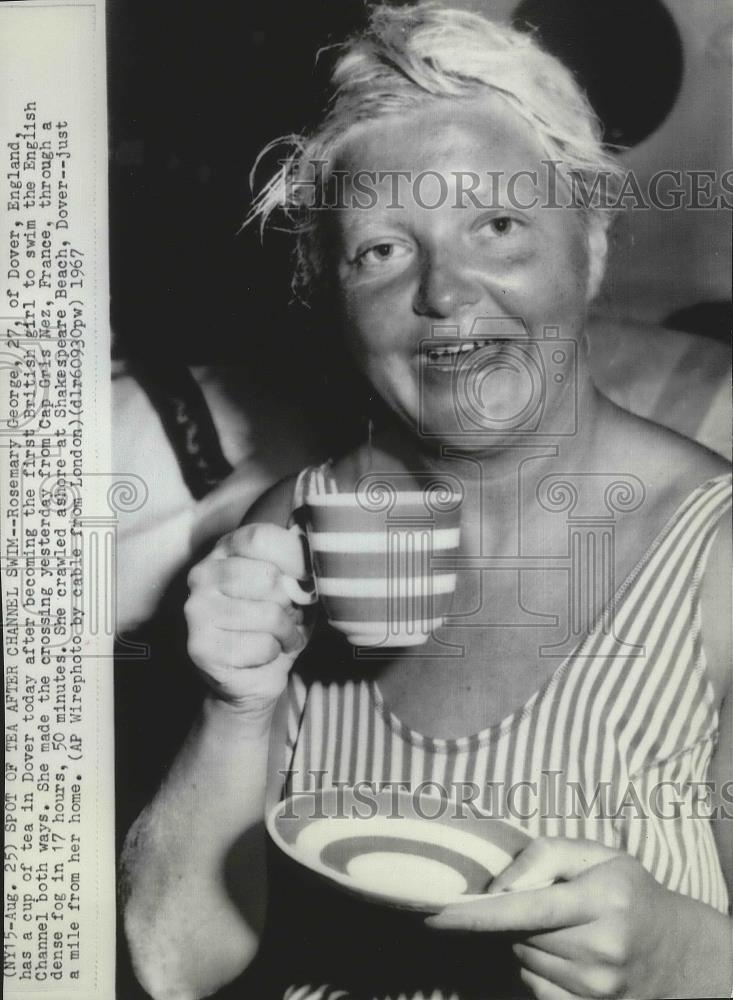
(607,930)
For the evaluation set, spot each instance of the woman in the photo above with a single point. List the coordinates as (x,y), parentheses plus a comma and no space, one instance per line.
(478,247)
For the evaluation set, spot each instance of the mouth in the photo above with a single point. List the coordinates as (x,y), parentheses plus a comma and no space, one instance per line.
(443,356)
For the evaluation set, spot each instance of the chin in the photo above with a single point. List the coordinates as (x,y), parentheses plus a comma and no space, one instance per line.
(449,426)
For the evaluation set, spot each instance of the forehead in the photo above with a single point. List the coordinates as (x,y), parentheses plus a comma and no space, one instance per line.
(444,135)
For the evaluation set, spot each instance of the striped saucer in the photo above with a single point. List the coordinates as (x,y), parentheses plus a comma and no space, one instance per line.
(415,852)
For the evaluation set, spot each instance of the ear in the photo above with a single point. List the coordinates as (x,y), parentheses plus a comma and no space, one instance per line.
(597,241)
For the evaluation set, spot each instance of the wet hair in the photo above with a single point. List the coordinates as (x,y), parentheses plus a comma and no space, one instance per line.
(405,58)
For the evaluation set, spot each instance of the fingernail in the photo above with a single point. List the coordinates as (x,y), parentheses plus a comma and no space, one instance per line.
(495,890)
(307,562)
(493,886)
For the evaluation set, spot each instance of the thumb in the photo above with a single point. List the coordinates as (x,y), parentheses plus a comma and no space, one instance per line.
(548,859)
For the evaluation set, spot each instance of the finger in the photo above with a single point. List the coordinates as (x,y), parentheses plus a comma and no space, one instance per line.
(550,858)
(233,649)
(558,971)
(543,989)
(558,906)
(268,543)
(300,592)
(238,577)
(258,686)
(266,616)
(231,615)
(577,944)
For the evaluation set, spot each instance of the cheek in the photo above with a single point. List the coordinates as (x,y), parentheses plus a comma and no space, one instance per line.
(563,278)
(363,334)
(574,261)
(370,321)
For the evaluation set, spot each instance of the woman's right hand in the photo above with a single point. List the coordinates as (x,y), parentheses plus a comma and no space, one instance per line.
(244,632)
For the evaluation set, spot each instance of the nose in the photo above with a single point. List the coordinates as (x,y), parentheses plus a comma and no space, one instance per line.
(447,287)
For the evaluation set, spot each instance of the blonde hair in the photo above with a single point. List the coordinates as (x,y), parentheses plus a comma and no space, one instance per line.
(404,58)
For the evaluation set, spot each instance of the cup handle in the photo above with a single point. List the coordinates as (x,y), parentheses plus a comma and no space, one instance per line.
(302,592)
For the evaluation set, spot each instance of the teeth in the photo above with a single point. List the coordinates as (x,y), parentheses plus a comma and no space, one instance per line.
(451,350)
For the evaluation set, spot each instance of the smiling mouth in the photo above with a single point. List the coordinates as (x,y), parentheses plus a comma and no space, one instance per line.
(447,352)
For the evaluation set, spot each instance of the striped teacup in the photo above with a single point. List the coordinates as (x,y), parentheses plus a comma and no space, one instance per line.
(374,559)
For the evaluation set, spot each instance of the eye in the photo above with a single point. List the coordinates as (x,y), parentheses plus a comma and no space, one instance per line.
(379,254)
(380,251)
(502,229)
(502,225)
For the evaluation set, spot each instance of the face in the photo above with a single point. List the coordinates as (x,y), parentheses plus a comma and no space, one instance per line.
(430,281)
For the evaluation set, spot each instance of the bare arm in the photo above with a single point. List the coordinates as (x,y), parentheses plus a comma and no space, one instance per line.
(204,831)
(187,936)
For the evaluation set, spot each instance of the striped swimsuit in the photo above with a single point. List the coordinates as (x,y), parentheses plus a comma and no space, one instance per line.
(614,747)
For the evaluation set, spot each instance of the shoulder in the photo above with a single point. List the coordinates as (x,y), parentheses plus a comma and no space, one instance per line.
(677,467)
(275,505)
(671,468)
(670,465)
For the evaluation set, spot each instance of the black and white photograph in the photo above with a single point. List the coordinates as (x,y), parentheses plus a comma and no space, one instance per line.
(399,550)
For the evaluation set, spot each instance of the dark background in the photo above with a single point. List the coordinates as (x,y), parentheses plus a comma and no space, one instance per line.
(195,92)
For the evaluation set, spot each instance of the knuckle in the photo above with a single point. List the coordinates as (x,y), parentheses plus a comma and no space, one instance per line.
(268,648)
(603,982)
(618,896)
(261,648)
(231,649)
(611,947)
(228,575)
(255,536)
(223,572)
(242,536)
(277,621)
